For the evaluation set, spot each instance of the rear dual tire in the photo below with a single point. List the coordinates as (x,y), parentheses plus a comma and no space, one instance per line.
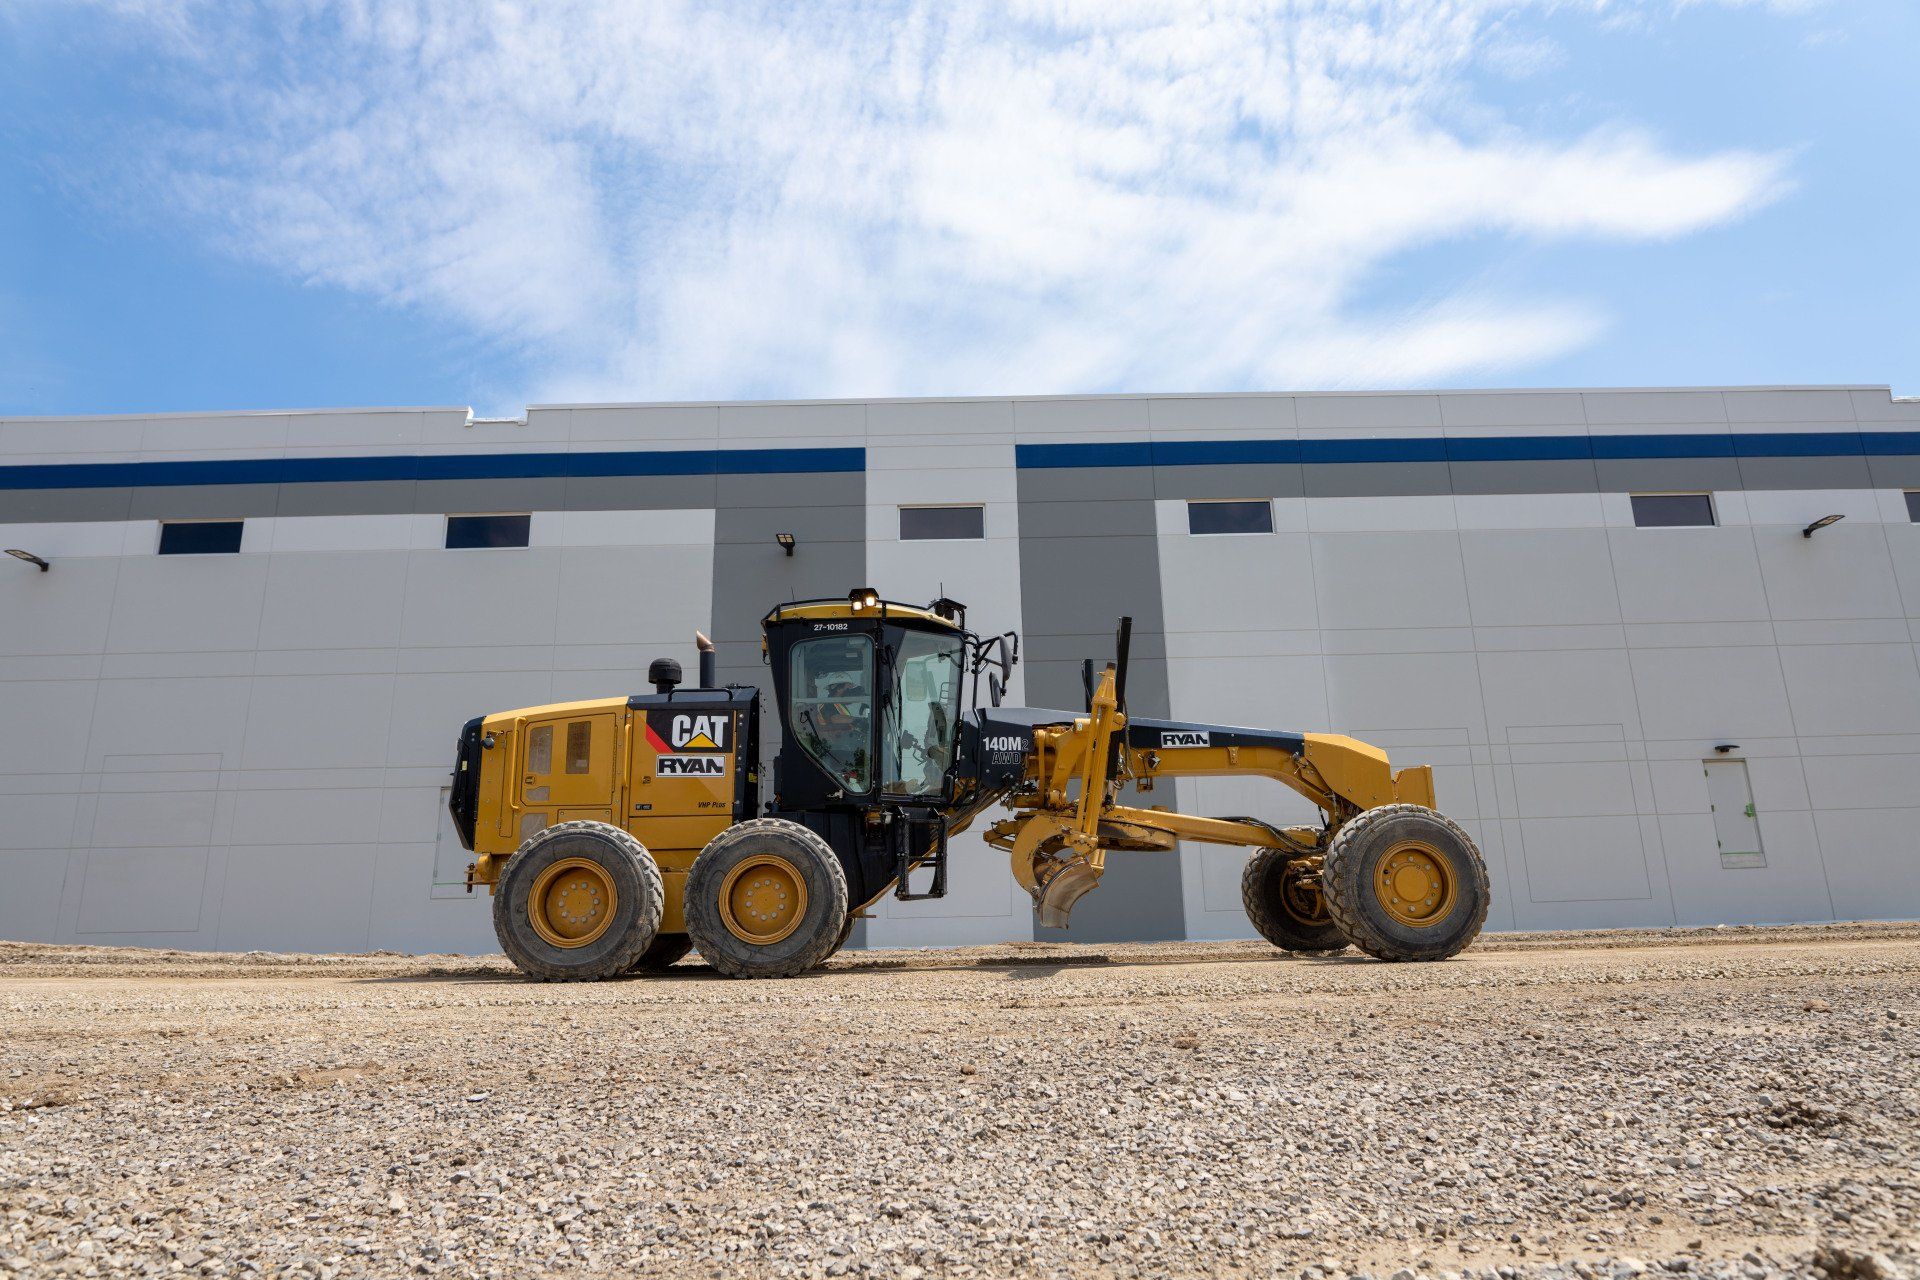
(578,902)
(1285,904)
(767,898)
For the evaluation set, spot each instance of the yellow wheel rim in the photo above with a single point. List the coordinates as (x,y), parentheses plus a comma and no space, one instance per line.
(1414,884)
(763,899)
(572,903)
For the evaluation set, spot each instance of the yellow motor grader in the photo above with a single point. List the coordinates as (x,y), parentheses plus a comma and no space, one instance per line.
(618,834)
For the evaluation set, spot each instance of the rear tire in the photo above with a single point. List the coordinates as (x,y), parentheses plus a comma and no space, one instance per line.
(846,931)
(578,902)
(1404,883)
(667,950)
(1286,910)
(767,898)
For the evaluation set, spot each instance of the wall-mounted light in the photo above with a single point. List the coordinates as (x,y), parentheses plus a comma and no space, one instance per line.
(29,557)
(1821,523)
(1723,748)
(786,542)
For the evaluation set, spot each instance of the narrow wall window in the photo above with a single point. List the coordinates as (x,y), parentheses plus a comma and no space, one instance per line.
(1672,510)
(1230,517)
(579,745)
(200,537)
(1913,505)
(488,531)
(942,524)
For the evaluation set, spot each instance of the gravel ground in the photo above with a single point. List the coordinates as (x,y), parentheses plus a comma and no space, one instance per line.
(1740,1103)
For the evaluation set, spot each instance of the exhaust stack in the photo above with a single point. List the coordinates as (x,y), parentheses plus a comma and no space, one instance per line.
(707,661)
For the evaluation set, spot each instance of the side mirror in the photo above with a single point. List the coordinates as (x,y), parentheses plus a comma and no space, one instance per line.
(996,688)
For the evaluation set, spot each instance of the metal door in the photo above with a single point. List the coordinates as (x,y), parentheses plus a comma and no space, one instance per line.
(1735,824)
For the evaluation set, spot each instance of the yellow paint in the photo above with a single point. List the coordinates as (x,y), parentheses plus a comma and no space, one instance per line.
(816,610)
(615,780)
(763,900)
(1065,816)
(572,903)
(1414,883)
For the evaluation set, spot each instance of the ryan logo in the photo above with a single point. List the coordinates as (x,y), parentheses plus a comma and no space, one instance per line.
(1185,738)
(688,746)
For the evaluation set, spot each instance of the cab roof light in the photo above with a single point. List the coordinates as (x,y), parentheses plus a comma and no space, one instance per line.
(864,598)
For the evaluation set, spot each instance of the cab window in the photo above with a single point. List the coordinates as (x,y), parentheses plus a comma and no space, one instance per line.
(831,682)
(921,711)
(579,745)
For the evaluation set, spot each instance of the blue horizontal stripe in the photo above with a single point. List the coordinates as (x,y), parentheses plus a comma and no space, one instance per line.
(1171,453)
(1890,442)
(1518,448)
(1040,457)
(1323,451)
(450,466)
(1310,451)
(1716,444)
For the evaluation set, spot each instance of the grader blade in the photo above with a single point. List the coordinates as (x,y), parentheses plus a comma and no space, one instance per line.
(1063,884)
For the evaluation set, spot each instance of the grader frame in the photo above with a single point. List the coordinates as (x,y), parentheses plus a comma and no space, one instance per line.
(1069,816)
(665,844)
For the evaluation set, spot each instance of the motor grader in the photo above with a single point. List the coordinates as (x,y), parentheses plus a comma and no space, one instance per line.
(618,834)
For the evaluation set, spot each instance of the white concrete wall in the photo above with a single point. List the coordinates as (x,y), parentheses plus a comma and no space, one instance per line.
(250,750)
(960,454)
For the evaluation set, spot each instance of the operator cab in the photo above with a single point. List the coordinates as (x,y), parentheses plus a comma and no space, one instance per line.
(870,694)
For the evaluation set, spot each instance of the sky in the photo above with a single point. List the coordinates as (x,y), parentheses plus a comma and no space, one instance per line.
(291,203)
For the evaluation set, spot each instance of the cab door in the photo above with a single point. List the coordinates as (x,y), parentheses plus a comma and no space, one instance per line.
(567,767)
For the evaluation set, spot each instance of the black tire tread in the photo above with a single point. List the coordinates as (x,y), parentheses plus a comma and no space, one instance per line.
(703,918)
(639,938)
(1269,917)
(1342,891)
(846,931)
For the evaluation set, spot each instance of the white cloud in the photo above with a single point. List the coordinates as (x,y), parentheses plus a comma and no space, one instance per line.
(670,200)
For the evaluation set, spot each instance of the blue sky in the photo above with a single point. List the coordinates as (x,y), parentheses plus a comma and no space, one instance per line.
(293,204)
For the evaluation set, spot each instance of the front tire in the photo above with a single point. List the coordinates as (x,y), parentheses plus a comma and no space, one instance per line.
(578,902)
(767,898)
(1404,883)
(1285,905)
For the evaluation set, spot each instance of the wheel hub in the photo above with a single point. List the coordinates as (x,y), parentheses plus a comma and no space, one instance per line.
(572,903)
(763,900)
(1414,884)
(1301,894)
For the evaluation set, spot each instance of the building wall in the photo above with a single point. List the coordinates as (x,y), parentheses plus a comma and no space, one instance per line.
(249,751)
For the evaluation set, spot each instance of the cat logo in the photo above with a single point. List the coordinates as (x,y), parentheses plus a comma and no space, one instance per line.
(699,733)
(1185,738)
(671,732)
(691,766)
